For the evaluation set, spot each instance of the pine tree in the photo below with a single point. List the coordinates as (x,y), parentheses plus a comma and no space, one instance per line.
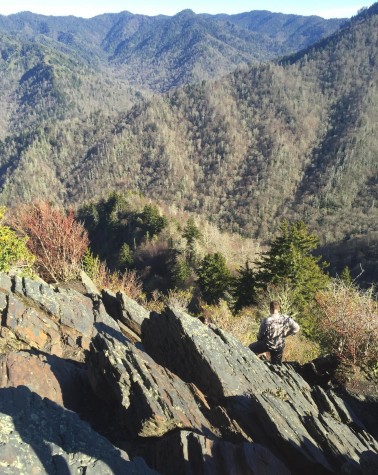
(244,289)
(151,222)
(290,260)
(191,234)
(178,269)
(125,258)
(214,278)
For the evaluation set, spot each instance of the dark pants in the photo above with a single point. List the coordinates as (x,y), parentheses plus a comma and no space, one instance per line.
(259,347)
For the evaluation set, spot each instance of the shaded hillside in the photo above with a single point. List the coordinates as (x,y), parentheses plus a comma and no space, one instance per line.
(293,32)
(162,52)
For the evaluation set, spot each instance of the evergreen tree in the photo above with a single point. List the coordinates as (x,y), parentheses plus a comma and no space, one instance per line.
(244,289)
(178,269)
(290,260)
(115,227)
(151,222)
(214,278)
(191,234)
(107,224)
(125,258)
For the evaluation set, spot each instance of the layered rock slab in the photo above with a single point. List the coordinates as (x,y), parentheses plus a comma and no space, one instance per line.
(63,382)
(40,437)
(190,453)
(149,400)
(202,402)
(275,406)
(57,321)
(126,312)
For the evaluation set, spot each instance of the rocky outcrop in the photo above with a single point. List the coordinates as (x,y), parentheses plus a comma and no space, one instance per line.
(151,400)
(38,434)
(192,453)
(57,321)
(128,313)
(273,404)
(137,392)
(35,315)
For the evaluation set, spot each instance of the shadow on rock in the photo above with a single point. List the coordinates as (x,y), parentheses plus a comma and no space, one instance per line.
(300,453)
(39,433)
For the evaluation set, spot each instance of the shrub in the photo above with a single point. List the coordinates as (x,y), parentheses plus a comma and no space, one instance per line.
(301,349)
(243,326)
(178,298)
(127,282)
(156,302)
(349,323)
(14,254)
(56,239)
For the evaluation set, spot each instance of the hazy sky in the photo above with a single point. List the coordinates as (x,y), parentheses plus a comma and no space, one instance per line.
(90,8)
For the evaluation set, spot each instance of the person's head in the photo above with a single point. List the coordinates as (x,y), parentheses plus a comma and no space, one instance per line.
(274,306)
(205,320)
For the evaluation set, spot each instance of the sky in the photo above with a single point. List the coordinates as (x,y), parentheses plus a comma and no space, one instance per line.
(90,8)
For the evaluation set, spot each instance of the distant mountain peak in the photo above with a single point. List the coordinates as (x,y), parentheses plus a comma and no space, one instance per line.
(186,12)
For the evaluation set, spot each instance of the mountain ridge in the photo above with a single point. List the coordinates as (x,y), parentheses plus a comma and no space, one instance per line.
(294,138)
(113,40)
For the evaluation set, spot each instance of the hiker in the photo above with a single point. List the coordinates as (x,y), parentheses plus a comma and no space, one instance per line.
(273,331)
(205,320)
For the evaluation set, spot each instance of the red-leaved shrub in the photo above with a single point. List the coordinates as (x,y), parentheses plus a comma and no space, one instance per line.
(56,239)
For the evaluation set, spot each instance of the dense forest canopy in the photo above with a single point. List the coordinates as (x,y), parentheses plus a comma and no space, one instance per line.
(295,138)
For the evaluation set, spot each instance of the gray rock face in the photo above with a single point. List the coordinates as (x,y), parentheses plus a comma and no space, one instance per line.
(63,382)
(55,380)
(150,400)
(125,310)
(37,434)
(271,404)
(87,283)
(192,453)
(176,395)
(36,315)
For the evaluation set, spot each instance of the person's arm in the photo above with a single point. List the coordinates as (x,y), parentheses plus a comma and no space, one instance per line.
(293,327)
(262,330)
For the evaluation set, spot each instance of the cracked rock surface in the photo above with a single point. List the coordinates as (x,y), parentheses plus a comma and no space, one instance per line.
(91,382)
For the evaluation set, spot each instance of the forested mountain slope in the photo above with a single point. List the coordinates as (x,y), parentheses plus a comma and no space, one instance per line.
(295,139)
(52,105)
(292,139)
(162,52)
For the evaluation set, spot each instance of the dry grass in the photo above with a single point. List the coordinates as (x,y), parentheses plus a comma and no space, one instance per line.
(299,348)
(126,282)
(245,325)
